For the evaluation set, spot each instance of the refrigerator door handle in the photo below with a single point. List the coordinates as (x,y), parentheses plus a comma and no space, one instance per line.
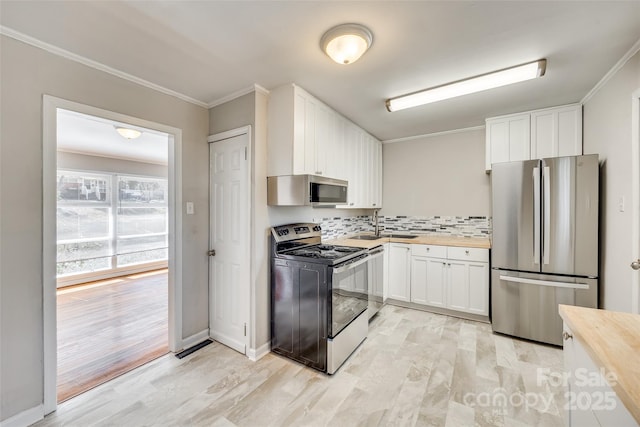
(536,215)
(544,282)
(546,243)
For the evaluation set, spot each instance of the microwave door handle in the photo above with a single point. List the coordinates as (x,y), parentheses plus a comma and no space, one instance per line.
(536,215)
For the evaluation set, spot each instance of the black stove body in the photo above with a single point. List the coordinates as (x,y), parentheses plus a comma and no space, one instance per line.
(318,297)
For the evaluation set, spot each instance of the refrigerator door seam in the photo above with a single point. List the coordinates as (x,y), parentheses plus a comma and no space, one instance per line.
(546,242)
(536,215)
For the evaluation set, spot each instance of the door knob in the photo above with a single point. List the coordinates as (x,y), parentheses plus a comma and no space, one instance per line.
(636,264)
(212,252)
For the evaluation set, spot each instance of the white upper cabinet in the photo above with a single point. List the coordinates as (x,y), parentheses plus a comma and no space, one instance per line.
(305,136)
(508,139)
(551,132)
(556,132)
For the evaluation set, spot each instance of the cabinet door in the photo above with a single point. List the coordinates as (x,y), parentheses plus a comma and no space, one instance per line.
(556,132)
(352,147)
(419,279)
(457,285)
(508,139)
(310,115)
(322,140)
(399,272)
(375,174)
(436,282)
(478,276)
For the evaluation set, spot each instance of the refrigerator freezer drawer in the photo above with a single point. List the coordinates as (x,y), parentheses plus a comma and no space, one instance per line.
(525,305)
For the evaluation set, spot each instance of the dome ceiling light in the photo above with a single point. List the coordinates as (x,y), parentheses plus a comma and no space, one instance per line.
(128,132)
(345,43)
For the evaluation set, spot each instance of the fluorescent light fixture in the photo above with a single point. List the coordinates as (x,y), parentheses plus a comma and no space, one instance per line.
(346,43)
(128,132)
(492,80)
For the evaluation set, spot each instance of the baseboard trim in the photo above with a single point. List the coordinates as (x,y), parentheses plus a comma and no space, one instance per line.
(195,339)
(257,354)
(25,418)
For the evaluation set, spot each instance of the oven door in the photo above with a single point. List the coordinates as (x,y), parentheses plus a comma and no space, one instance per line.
(349,293)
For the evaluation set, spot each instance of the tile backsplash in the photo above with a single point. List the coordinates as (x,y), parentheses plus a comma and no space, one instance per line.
(469,226)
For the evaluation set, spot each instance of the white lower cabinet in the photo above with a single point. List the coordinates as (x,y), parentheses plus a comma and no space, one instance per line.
(450,277)
(590,400)
(399,276)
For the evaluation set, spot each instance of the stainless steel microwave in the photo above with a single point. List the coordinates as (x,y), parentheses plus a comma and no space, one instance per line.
(305,190)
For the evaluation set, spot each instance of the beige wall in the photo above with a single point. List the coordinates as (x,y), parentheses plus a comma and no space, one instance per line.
(27,74)
(436,175)
(607,132)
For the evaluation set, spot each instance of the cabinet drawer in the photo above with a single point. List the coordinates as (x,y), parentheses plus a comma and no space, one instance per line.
(429,250)
(469,254)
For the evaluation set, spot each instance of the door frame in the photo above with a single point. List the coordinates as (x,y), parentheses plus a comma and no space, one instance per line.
(218,137)
(635,190)
(49,167)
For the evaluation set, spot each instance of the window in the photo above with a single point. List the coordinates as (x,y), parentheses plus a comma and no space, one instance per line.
(102,229)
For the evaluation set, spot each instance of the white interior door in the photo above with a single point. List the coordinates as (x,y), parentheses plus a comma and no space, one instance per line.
(229,267)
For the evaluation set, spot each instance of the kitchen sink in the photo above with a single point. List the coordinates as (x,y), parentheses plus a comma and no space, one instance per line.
(366,237)
(384,236)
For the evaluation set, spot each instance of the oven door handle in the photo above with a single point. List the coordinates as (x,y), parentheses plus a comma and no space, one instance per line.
(351,264)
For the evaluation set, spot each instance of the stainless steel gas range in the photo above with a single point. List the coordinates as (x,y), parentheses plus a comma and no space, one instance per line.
(319,297)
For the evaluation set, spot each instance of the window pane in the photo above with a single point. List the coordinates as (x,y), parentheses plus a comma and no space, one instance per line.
(142,257)
(82,222)
(84,250)
(83,266)
(83,187)
(143,243)
(141,220)
(135,190)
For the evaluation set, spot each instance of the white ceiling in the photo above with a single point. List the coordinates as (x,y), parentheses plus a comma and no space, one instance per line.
(207,50)
(80,133)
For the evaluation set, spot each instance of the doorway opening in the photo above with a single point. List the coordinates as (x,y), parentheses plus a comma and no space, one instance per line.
(111,220)
(112,247)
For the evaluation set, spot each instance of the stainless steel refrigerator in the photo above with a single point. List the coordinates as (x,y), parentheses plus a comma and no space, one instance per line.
(545,243)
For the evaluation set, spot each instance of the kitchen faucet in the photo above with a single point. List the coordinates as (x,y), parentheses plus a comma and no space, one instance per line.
(376,226)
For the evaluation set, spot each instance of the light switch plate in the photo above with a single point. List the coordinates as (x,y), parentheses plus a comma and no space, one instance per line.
(190,208)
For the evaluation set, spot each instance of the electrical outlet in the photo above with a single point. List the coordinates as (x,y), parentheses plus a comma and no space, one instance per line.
(190,208)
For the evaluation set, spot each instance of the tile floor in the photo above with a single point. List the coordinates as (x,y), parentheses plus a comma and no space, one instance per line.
(414,369)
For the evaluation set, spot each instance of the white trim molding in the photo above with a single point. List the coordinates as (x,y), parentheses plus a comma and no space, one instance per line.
(96,65)
(255,354)
(430,135)
(194,339)
(603,81)
(237,94)
(635,191)
(25,418)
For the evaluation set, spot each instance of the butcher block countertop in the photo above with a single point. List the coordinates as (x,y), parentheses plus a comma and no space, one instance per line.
(612,340)
(426,239)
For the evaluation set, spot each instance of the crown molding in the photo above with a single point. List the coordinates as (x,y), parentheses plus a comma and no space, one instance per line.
(237,94)
(430,135)
(603,81)
(95,65)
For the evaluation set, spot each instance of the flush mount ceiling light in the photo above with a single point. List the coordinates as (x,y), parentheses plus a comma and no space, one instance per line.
(346,43)
(504,77)
(128,132)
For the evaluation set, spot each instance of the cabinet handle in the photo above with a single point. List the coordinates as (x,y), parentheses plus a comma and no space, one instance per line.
(428,249)
(449,264)
(374,204)
(351,204)
(466,252)
(318,172)
(444,263)
(567,336)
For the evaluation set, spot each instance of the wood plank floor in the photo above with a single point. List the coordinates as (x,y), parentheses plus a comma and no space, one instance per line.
(108,327)
(414,369)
